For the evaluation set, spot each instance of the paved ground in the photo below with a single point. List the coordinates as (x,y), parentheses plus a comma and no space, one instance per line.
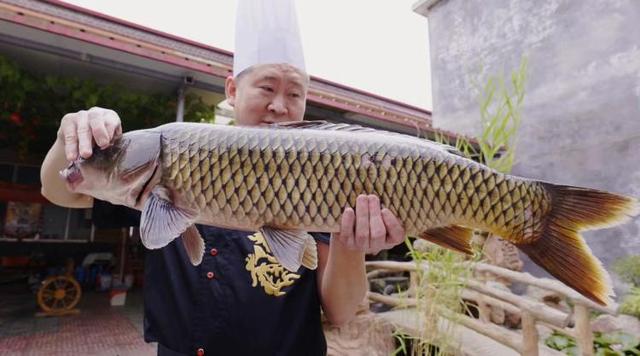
(99,329)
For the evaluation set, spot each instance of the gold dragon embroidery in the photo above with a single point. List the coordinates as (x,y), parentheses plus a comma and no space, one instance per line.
(266,270)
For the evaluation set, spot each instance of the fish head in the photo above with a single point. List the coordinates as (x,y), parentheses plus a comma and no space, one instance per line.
(120,173)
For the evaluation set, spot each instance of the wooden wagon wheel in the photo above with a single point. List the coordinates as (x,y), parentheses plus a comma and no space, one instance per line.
(59,294)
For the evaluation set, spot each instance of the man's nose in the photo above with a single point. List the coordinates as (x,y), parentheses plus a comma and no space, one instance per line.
(277,106)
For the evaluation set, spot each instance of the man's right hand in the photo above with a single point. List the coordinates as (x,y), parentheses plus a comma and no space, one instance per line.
(76,135)
(78,131)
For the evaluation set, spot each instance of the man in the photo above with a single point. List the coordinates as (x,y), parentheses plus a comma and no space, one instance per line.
(239,301)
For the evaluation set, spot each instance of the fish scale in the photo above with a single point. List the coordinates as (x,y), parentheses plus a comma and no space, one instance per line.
(291,179)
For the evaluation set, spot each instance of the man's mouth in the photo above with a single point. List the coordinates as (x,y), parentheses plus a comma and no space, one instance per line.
(72,175)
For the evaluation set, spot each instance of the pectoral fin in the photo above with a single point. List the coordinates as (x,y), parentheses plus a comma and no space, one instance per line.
(292,248)
(193,244)
(161,221)
(454,237)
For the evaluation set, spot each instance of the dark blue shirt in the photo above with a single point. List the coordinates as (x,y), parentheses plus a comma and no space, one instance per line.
(238,301)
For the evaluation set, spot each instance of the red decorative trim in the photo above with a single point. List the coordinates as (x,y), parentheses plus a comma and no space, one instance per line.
(322,91)
(126,23)
(117,42)
(364,92)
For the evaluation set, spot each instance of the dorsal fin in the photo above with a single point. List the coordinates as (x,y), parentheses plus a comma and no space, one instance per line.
(322,125)
(329,126)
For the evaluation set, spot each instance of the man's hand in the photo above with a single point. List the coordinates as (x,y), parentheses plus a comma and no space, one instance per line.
(369,228)
(342,277)
(75,139)
(78,131)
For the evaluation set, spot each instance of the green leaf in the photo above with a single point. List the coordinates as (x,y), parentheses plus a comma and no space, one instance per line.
(557,342)
(571,351)
(46,98)
(607,352)
(626,341)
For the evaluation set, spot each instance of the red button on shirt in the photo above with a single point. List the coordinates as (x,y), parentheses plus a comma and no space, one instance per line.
(214,251)
(200,352)
(210,275)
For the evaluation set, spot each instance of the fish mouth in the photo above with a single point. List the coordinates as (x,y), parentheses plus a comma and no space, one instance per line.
(72,176)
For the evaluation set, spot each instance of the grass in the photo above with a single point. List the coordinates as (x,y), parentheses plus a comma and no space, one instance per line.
(442,283)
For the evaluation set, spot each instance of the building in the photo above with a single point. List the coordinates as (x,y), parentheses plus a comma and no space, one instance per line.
(55,38)
(580,117)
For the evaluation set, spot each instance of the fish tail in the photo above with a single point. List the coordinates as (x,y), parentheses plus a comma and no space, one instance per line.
(560,248)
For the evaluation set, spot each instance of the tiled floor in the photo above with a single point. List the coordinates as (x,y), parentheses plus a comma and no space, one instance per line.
(99,329)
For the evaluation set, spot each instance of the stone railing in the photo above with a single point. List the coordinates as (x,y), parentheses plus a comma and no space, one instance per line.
(573,322)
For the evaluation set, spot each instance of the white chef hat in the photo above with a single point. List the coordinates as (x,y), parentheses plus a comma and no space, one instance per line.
(267,33)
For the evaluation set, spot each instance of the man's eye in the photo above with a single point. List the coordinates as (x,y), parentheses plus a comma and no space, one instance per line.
(294,95)
(267,88)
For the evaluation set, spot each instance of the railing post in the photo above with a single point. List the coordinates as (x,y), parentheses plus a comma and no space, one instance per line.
(484,310)
(529,335)
(584,335)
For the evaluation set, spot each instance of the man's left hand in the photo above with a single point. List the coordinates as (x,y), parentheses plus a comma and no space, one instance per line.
(370,228)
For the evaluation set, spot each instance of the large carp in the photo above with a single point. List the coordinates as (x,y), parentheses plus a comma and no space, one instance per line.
(288,179)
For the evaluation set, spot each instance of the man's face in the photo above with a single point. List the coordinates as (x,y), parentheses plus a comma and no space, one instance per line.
(268,94)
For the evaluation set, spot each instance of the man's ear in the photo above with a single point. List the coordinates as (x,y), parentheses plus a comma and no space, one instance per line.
(230,90)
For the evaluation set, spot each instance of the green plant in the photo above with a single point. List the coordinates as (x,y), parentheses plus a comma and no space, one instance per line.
(401,340)
(411,345)
(32,105)
(614,343)
(631,303)
(439,288)
(628,268)
(500,116)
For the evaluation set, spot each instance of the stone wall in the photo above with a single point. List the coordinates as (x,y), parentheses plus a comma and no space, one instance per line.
(581,117)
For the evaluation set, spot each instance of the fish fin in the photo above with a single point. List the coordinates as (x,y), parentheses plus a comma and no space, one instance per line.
(454,237)
(310,256)
(325,125)
(193,244)
(292,248)
(561,250)
(305,124)
(161,221)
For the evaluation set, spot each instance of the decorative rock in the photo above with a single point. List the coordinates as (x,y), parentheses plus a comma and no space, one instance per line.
(498,315)
(543,332)
(512,320)
(550,298)
(365,335)
(607,323)
(421,245)
(502,253)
